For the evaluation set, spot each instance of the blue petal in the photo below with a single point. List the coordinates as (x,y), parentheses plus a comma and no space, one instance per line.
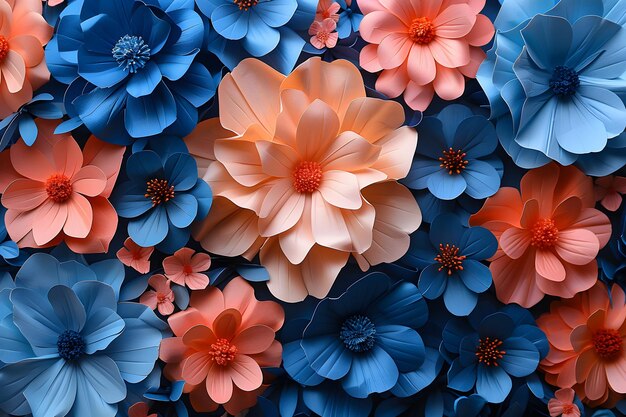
(459,300)
(482,179)
(95,295)
(144,81)
(37,321)
(461,378)
(412,382)
(402,305)
(493,383)
(373,371)
(110,272)
(53,392)
(548,30)
(284,57)
(451,117)
(453,332)
(176,238)
(17,377)
(143,166)
(182,210)
(476,136)
(327,356)
(67,308)
(99,107)
(230,22)
(597,48)
(153,30)
(101,374)
(421,252)
(496,326)
(432,128)
(181,171)
(467,349)
(207,6)
(535,335)
(28,129)
(103,327)
(433,282)
(446,229)
(100,69)
(475,276)
(150,115)
(260,39)
(446,186)
(422,169)
(297,365)
(478,243)
(328,400)
(13,346)
(521,357)
(276,13)
(403,344)
(149,229)
(197,86)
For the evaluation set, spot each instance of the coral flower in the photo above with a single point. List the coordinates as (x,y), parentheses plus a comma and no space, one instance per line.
(221,343)
(608,191)
(327,9)
(185,267)
(323,34)
(23,34)
(549,235)
(55,191)
(423,46)
(304,169)
(140,410)
(587,336)
(135,256)
(562,405)
(161,297)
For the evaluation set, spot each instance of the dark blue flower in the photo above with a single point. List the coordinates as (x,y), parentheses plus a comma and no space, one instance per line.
(612,259)
(450,258)
(350,17)
(8,249)
(162,197)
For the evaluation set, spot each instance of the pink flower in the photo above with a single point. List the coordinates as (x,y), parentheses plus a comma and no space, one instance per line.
(184,268)
(140,410)
(608,191)
(327,9)
(324,35)
(423,46)
(162,297)
(135,256)
(563,404)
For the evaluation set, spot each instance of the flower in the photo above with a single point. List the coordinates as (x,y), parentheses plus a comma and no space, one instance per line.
(185,267)
(563,404)
(304,168)
(162,297)
(323,34)
(8,248)
(449,257)
(135,256)
(608,191)
(455,156)
(423,46)
(491,346)
(221,342)
(548,235)
(587,334)
(162,197)
(69,346)
(327,9)
(612,259)
(133,72)
(23,34)
(140,410)
(54,191)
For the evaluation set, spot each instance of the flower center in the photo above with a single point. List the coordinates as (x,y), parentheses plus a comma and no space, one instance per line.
(131,53)
(564,81)
(489,351)
(58,188)
(608,343)
(453,161)
(358,334)
(159,191)
(544,234)
(449,258)
(568,408)
(322,36)
(222,352)
(307,177)
(187,269)
(161,298)
(422,31)
(245,4)
(71,345)
(4,48)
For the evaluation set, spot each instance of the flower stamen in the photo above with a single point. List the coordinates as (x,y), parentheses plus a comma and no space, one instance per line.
(453,161)
(489,351)
(4,48)
(222,352)
(307,177)
(159,191)
(544,234)
(59,188)
(449,258)
(422,31)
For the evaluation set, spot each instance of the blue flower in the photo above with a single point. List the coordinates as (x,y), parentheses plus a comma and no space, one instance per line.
(450,258)
(8,249)
(69,346)
(131,67)
(453,156)
(162,197)
(612,259)
(349,18)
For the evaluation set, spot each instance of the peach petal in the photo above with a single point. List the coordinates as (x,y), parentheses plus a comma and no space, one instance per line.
(549,266)
(395,146)
(89,180)
(320,269)
(361,225)
(421,66)
(196,367)
(277,160)
(281,210)
(29,48)
(271,357)
(580,338)
(567,212)
(455,21)
(616,372)
(368,58)
(183,321)
(200,400)
(296,242)
(481,32)
(577,246)
(24,194)
(31,162)
(316,131)
(49,221)
(295,103)
(210,302)
(376,25)
(513,280)
(515,242)
(329,226)
(149,298)
(477,56)
(254,339)
(393,82)
(13,71)
(612,201)
(219,384)
(596,222)
(373,119)
(227,323)
(286,282)
(196,281)
(79,217)
(579,278)
(450,53)
(394,206)
(160,283)
(200,338)
(102,230)
(341,189)
(449,83)
(107,157)
(428,8)
(241,159)
(418,97)
(349,152)
(200,262)
(68,158)
(596,383)
(401,8)
(245,373)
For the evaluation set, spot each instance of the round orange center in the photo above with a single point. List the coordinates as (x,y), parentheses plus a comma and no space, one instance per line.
(544,234)
(422,31)
(307,177)
(453,161)
(58,188)
(449,258)
(4,47)
(187,269)
(489,351)
(245,4)
(608,343)
(322,36)
(568,408)
(159,191)
(222,352)
(160,297)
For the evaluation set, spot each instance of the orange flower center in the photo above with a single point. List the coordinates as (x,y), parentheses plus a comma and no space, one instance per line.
(222,352)
(544,234)
(608,343)
(245,4)
(322,36)
(4,47)
(422,31)
(307,177)
(568,408)
(159,191)
(161,297)
(449,258)
(489,351)
(58,188)
(453,161)
(187,269)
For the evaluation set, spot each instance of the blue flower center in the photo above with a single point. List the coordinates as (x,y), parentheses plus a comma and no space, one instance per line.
(131,53)
(564,81)
(71,345)
(358,334)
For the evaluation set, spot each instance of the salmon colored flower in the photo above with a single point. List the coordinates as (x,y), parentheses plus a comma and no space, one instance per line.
(562,405)
(23,34)
(587,336)
(161,297)
(323,34)
(608,191)
(549,235)
(185,267)
(304,168)
(54,191)
(423,47)
(140,410)
(221,343)
(327,9)
(135,256)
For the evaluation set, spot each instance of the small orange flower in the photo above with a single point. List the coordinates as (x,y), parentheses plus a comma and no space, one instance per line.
(135,256)
(185,267)
(608,191)
(562,405)
(161,298)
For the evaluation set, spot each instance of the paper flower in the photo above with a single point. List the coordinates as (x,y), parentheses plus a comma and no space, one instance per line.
(221,343)
(449,257)
(162,197)
(161,298)
(135,256)
(305,169)
(23,34)
(133,71)
(423,46)
(562,405)
(612,259)
(327,9)
(587,336)
(140,410)
(8,248)
(549,235)
(185,268)
(455,156)
(70,348)
(323,34)
(608,191)
(55,192)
